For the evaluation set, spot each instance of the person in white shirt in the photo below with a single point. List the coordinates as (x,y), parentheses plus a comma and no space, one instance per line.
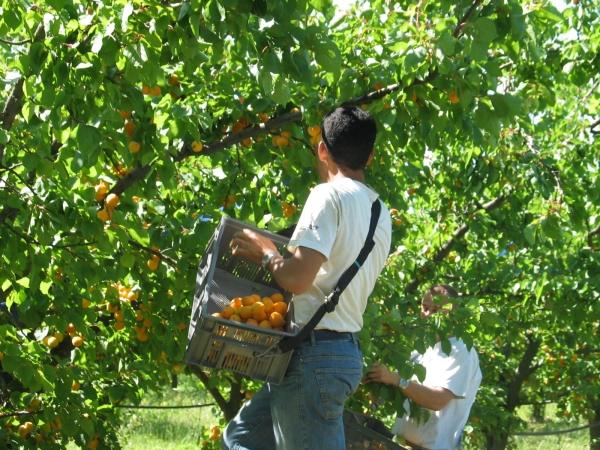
(305,411)
(449,388)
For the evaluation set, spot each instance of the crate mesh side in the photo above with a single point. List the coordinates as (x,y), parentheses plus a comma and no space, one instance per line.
(236,362)
(359,437)
(356,439)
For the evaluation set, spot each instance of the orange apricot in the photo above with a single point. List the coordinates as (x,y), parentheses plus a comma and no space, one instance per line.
(280,307)
(227,312)
(248,300)
(276,319)
(265,324)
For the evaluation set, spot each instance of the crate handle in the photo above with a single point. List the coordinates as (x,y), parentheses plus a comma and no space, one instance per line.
(264,354)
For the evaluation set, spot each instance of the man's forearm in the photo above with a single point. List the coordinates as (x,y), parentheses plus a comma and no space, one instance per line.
(288,276)
(433,398)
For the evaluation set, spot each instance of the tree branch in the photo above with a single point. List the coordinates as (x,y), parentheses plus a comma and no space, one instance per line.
(524,370)
(229,408)
(464,19)
(591,234)
(443,251)
(154,252)
(23,42)
(21,413)
(13,103)
(237,138)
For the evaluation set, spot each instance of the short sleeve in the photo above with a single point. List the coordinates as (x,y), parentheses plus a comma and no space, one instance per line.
(318,224)
(454,372)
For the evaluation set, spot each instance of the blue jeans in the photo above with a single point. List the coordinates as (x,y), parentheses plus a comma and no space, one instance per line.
(303,412)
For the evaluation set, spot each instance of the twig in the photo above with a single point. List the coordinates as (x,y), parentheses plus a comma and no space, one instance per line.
(23,42)
(21,413)
(36,242)
(590,92)
(464,19)
(154,252)
(20,178)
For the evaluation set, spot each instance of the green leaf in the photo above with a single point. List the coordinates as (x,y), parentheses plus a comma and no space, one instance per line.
(215,12)
(414,59)
(301,61)
(420,372)
(127,260)
(281,93)
(323,6)
(506,106)
(31,160)
(88,426)
(12,18)
(530,231)
(183,11)
(88,139)
(479,51)
(550,12)
(447,43)
(24,373)
(266,82)
(486,30)
(327,54)
(4,137)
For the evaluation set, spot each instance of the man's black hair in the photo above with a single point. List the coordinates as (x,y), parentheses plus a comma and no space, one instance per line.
(349,135)
(443,290)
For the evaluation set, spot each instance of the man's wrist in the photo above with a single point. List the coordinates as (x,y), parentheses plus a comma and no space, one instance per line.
(402,383)
(268,259)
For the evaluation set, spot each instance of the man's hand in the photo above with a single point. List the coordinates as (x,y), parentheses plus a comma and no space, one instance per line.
(251,245)
(433,398)
(379,373)
(295,274)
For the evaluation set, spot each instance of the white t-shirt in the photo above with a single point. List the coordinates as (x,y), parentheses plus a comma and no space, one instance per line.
(335,222)
(459,373)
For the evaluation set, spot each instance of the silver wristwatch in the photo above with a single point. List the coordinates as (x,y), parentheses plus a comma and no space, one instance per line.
(267,259)
(402,383)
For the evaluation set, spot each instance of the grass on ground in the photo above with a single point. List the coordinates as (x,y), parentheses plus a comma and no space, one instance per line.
(576,440)
(181,429)
(169,429)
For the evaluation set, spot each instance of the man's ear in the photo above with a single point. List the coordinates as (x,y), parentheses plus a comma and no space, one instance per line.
(322,152)
(370,157)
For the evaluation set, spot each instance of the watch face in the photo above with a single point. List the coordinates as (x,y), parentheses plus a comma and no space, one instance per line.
(267,258)
(403,383)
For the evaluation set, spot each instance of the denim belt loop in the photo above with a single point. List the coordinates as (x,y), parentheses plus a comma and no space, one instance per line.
(354,338)
(313,341)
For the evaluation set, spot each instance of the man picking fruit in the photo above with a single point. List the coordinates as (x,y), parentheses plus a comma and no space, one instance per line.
(305,410)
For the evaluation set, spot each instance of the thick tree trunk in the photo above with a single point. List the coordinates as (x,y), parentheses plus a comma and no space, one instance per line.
(525,369)
(230,407)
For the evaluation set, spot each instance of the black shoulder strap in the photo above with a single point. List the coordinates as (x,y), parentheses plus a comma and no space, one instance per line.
(290,343)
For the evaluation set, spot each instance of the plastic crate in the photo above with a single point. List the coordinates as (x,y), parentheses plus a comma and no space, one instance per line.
(223,344)
(361,437)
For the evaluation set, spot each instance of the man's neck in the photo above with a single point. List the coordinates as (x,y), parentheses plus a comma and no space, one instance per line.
(356,175)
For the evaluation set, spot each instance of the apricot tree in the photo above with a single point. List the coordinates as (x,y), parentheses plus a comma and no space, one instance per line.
(129,129)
